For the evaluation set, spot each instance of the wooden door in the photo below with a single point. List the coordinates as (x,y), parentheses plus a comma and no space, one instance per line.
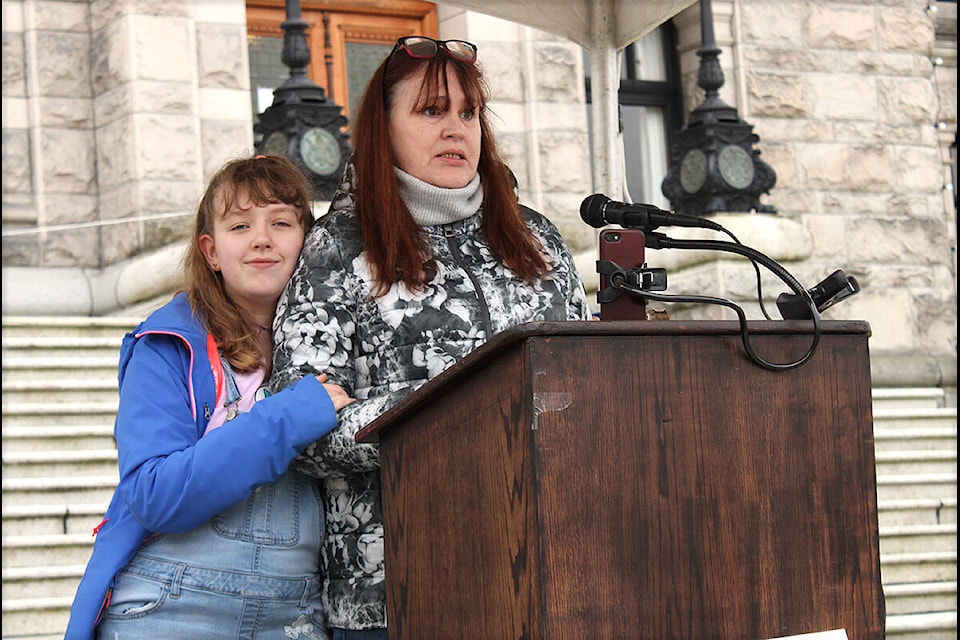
(347,41)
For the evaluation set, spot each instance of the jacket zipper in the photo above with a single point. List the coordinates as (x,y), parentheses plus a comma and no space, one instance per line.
(450,234)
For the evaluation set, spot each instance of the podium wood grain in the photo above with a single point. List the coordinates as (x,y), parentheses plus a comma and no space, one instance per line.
(636,480)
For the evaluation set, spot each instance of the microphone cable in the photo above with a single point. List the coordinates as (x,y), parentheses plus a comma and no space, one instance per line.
(647,217)
(756,270)
(660,241)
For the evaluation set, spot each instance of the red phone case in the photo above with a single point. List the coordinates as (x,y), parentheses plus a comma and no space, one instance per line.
(625,248)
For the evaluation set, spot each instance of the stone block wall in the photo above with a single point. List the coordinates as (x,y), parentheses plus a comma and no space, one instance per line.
(855,114)
(115,113)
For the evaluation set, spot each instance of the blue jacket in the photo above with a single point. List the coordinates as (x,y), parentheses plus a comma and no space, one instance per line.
(172,479)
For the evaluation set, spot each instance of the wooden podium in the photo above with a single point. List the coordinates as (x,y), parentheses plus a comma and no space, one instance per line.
(636,480)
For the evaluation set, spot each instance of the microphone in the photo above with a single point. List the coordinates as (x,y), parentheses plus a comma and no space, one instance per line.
(598,210)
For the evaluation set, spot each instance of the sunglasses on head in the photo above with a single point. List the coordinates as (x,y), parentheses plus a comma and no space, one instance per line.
(424,48)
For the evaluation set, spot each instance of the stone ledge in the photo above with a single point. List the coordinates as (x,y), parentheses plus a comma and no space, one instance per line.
(914,370)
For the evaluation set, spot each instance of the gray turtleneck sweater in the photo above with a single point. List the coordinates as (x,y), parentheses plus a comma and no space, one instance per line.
(431,205)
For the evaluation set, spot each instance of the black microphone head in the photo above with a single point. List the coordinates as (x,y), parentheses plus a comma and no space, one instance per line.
(591,210)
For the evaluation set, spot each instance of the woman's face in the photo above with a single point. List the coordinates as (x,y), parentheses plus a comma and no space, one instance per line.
(437,142)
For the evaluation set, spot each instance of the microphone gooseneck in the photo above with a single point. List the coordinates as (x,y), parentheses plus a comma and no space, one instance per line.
(598,210)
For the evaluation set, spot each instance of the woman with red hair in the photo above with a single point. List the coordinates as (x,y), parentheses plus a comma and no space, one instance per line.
(425,254)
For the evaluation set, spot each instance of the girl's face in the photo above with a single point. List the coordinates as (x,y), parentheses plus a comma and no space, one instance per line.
(437,142)
(255,248)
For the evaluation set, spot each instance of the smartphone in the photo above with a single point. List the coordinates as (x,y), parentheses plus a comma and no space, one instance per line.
(625,248)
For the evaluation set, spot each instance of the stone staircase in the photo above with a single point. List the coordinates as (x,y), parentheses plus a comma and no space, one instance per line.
(59,461)
(59,469)
(916,452)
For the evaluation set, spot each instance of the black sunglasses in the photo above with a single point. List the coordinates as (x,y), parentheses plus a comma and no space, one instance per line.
(424,48)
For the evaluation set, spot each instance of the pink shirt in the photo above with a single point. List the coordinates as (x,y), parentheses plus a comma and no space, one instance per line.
(251,389)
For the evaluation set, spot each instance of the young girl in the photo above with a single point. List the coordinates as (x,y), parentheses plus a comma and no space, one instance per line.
(208,535)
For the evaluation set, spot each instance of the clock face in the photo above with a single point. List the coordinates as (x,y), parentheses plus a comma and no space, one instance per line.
(275,145)
(693,171)
(320,151)
(736,167)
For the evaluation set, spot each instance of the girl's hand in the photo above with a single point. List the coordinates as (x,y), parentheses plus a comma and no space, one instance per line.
(337,395)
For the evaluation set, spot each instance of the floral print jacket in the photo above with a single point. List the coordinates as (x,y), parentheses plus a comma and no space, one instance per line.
(379,350)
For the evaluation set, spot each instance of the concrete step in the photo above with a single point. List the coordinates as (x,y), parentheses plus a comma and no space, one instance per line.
(903,568)
(35,618)
(19,492)
(916,439)
(63,326)
(87,389)
(918,538)
(922,626)
(57,581)
(926,597)
(898,419)
(922,486)
(51,519)
(907,397)
(47,551)
(51,464)
(916,462)
(73,413)
(58,438)
(53,369)
(56,346)
(916,512)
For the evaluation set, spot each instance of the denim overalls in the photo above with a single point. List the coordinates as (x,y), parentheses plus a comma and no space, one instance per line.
(248,572)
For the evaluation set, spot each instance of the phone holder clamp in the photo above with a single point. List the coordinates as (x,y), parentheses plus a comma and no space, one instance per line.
(628,280)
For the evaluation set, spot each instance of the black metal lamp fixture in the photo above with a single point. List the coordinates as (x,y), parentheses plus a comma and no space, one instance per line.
(713,165)
(302,124)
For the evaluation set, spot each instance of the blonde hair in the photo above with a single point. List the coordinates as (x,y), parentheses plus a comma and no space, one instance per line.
(265,180)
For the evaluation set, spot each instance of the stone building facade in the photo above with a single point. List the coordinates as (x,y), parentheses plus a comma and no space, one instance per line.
(115,114)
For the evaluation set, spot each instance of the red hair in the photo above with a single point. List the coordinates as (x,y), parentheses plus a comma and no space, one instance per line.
(395,244)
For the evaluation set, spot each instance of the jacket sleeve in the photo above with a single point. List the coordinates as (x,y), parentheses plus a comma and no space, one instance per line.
(568,276)
(316,332)
(339,449)
(577,306)
(173,480)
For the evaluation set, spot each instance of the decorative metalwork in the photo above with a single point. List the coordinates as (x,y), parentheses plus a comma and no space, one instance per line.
(302,123)
(714,166)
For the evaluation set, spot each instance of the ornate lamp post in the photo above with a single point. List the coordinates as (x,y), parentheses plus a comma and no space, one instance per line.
(714,166)
(302,124)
